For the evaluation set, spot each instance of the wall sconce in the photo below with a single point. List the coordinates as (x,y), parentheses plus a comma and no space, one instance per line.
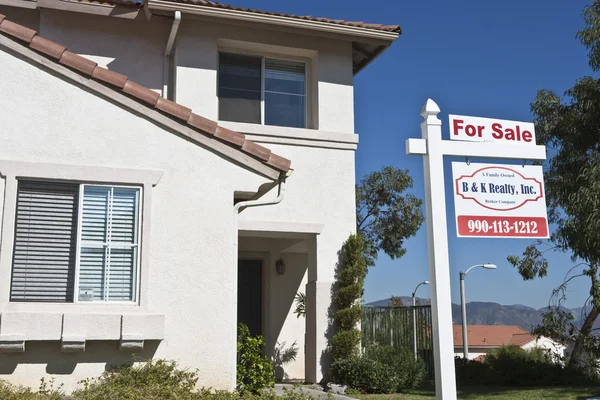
(280,267)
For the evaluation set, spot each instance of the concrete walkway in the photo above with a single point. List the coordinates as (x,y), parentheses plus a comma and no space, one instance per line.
(314,393)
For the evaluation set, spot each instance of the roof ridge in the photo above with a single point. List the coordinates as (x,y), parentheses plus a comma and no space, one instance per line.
(142,94)
(223,6)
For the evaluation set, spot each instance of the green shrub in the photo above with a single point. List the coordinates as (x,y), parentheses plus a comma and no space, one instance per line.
(350,277)
(345,344)
(45,392)
(514,366)
(382,369)
(153,380)
(255,371)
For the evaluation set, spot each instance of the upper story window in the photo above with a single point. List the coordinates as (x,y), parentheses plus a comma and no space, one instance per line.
(75,242)
(262,90)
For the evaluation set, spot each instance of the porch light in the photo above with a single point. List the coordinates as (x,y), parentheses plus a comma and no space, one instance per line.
(280,267)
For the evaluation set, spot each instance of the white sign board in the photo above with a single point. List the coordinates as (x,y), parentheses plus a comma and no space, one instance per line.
(496,200)
(476,129)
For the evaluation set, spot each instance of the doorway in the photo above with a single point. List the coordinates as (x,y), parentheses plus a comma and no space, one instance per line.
(249,303)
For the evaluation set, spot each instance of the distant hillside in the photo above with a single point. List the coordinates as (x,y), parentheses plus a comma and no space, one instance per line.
(482,313)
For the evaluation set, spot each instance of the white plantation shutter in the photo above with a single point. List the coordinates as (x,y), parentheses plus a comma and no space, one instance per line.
(108,247)
(45,242)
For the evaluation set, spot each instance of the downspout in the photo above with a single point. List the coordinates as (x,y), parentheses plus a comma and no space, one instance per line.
(236,211)
(168,49)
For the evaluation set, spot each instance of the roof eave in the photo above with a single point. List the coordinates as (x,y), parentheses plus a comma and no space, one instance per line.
(352,31)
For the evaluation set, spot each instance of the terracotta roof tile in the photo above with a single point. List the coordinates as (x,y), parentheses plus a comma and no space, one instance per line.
(16,30)
(230,136)
(110,77)
(487,335)
(47,47)
(153,100)
(78,63)
(256,150)
(204,124)
(174,109)
(214,4)
(519,339)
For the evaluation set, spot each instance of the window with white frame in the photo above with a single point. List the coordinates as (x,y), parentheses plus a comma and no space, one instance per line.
(75,242)
(262,90)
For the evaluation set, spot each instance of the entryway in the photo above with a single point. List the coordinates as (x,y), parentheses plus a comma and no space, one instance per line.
(250,295)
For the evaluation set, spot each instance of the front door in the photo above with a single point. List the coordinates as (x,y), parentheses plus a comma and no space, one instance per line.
(250,295)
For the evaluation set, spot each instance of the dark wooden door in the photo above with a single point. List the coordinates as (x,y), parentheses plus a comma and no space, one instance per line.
(250,295)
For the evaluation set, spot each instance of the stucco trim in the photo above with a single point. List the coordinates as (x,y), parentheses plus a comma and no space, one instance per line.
(297,228)
(30,4)
(14,170)
(295,136)
(227,146)
(90,8)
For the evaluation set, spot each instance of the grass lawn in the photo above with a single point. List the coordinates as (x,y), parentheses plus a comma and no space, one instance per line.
(495,393)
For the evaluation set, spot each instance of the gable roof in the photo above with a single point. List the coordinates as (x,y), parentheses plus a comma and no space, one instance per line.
(190,124)
(492,335)
(356,24)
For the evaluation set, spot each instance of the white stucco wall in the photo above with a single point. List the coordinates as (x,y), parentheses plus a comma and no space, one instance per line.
(330,95)
(547,344)
(131,47)
(320,191)
(46,119)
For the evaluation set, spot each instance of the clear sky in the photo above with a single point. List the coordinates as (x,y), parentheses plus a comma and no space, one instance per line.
(473,57)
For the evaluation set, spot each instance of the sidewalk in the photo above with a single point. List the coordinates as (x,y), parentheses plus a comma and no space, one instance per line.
(316,394)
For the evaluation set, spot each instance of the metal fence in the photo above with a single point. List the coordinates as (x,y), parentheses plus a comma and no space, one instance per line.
(395,326)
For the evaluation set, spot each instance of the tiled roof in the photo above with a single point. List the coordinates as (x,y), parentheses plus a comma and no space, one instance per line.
(143,95)
(492,335)
(358,24)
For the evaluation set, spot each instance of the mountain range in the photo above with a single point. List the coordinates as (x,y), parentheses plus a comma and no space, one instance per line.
(484,313)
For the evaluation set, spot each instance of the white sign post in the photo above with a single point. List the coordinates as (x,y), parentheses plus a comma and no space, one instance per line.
(433,149)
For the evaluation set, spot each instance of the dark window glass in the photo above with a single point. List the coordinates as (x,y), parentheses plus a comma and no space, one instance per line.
(239,88)
(285,93)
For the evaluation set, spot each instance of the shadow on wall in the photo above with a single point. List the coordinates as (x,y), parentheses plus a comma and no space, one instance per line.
(59,363)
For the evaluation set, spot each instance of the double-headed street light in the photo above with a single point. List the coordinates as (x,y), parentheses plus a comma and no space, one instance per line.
(463,305)
(414,303)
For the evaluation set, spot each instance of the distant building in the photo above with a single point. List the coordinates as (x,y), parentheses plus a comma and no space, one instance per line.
(484,338)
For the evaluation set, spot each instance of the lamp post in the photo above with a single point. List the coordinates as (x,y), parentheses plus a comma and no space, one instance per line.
(414,303)
(463,306)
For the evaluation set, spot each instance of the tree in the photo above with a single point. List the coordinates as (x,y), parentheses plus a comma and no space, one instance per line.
(350,278)
(385,215)
(570,128)
(395,302)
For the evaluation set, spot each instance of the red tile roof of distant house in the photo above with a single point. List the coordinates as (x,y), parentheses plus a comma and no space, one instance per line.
(492,335)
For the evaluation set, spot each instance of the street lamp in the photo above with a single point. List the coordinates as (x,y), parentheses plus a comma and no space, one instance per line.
(463,306)
(414,303)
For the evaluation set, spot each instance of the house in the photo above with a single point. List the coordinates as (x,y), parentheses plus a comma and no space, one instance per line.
(170,169)
(484,338)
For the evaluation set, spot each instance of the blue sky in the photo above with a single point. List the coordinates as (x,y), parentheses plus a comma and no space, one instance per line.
(472,57)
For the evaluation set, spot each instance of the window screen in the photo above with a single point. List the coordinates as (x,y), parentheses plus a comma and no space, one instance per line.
(239,88)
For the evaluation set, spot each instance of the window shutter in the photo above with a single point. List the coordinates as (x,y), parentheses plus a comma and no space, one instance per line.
(45,242)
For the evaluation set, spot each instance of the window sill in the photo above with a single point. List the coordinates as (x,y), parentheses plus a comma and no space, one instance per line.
(74,324)
(294,136)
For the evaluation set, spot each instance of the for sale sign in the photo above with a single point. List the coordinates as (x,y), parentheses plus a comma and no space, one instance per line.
(476,129)
(492,200)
